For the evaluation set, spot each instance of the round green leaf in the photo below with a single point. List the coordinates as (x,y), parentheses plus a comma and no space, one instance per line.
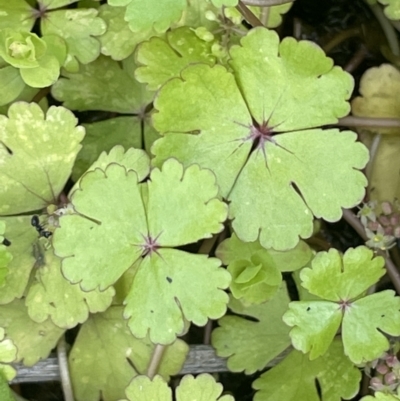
(45,74)
(171,285)
(338,278)
(106,233)
(169,191)
(364,323)
(315,324)
(37,153)
(201,388)
(295,168)
(216,116)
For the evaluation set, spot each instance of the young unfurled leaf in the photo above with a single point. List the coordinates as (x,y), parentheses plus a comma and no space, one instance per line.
(37,153)
(278,172)
(337,378)
(142,221)
(38,65)
(106,356)
(341,283)
(200,388)
(265,339)
(255,270)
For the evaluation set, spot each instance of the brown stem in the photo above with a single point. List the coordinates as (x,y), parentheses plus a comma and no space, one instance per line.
(356,60)
(207,333)
(339,38)
(155,360)
(41,94)
(248,15)
(391,269)
(366,122)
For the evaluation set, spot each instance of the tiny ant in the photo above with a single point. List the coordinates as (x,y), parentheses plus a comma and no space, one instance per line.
(6,242)
(39,228)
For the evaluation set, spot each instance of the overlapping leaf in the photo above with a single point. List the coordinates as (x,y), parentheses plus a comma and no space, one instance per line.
(272,99)
(379,396)
(119,221)
(34,341)
(118,40)
(163,59)
(201,388)
(5,255)
(103,136)
(294,379)
(91,89)
(265,339)
(105,357)
(341,284)
(151,13)
(26,256)
(16,14)
(52,296)
(78,27)
(37,153)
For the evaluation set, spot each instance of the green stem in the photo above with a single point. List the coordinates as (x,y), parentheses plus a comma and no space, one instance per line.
(372,156)
(264,15)
(248,15)
(155,360)
(339,38)
(387,28)
(64,372)
(367,122)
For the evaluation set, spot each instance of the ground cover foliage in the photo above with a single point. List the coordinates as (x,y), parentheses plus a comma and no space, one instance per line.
(167,165)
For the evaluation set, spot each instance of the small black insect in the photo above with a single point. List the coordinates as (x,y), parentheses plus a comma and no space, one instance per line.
(39,228)
(6,242)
